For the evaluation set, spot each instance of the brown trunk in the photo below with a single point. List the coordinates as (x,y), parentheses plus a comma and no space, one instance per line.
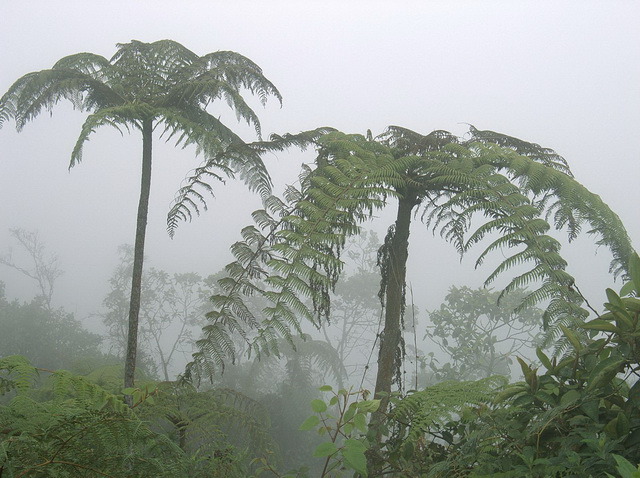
(390,337)
(138,256)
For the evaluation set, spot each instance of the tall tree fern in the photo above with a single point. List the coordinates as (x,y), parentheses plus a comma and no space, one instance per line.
(146,87)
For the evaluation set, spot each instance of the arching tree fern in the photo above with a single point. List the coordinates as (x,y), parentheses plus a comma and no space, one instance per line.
(511,188)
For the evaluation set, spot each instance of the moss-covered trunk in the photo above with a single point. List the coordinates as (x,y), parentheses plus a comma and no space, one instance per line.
(389,357)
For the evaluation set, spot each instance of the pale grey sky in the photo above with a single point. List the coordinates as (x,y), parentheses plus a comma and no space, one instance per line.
(562,74)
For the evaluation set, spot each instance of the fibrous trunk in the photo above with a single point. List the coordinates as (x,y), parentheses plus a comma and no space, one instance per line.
(391,334)
(138,256)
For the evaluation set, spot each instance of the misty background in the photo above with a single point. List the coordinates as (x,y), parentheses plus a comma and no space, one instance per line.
(565,75)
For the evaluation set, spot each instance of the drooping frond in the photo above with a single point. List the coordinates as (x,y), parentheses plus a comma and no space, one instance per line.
(36,91)
(229,155)
(241,72)
(291,257)
(521,192)
(118,117)
(534,151)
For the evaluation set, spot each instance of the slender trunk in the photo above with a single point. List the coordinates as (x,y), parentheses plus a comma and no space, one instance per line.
(390,337)
(138,255)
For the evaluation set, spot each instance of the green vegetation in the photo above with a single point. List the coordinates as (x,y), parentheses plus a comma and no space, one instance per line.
(284,317)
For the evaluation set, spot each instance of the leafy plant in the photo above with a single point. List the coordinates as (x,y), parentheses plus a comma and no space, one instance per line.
(82,431)
(572,419)
(346,445)
(50,338)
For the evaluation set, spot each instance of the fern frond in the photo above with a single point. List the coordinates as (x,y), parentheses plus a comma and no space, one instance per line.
(419,411)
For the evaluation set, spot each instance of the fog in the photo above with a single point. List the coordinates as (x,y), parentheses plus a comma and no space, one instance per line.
(562,74)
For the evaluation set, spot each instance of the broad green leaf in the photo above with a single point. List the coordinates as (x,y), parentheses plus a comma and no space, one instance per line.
(509,392)
(569,334)
(622,425)
(604,372)
(348,415)
(628,288)
(591,409)
(360,422)
(569,398)
(326,388)
(544,360)
(545,397)
(353,454)
(612,297)
(632,304)
(325,449)
(523,400)
(530,375)
(369,406)
(599,324)
(634,271)
(310,423)
(626,468)
(634,394)
(318,406)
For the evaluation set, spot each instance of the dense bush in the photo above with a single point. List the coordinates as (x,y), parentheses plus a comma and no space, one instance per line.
(571,419)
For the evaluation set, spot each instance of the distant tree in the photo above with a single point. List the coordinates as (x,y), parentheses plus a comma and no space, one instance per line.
(44,268)
(50,339)
(172,307)
(144,86)
(355,306)
(480,335)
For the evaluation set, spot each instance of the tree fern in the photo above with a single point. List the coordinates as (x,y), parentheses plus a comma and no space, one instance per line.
(469,190)
(142,87)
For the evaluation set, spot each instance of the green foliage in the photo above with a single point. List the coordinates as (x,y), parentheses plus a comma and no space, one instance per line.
(580,417)
(481,333)
(82,431)
(50,338)
(214,423)
(73,427)
(626,469)
(423,424)
(345,431)
(292,256)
